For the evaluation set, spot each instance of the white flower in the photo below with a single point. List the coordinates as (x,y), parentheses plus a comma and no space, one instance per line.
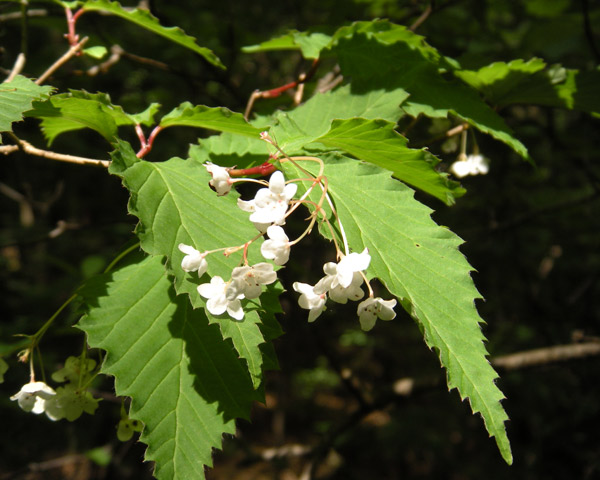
(471,165)
(342,273)
(249,280)
(222,297)
(193,260)
(310,300)
(249,206)
(353,291)
(33,397)
(371,309)
(271,204)
(277,248)
(221,181)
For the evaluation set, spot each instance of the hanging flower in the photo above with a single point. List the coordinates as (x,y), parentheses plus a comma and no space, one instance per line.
(222,297)
(371,309)
(33,397)
(353,291)
(342,273)
(221,181)
(309,300)
(271,204)
(193,261)
(249,280)
(250,207)
(470,165)
(277,247)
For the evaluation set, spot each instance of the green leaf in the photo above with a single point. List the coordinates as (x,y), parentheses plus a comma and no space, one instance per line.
(377,142)
(146,20)
(379,55)
(16,97)
(419,262)
(147,116)
(96,52)
(65,112)
(175,205)
(186,384)
(309,121)
(559,87)
(217,118)
(495,81)
(309,43)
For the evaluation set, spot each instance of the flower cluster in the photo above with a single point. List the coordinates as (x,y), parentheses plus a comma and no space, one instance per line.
(470,165)
(68,401)
(268,211)
(342,282)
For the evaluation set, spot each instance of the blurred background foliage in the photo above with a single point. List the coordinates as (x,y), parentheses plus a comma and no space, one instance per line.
(531,232)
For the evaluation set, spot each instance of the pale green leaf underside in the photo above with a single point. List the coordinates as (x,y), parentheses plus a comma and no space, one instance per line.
(213,118)
(16,97)
(175,205)
(419,262)
(312,119)
(376,141)
(186,383)
(309,43)
(144,19)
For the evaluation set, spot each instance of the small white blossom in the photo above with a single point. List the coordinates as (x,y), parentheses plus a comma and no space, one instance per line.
(221,181)
(371,309)
(277,247)
(249,280)
(250,207)
(342,273)
(353,291)
(222,297)
(271,204)
(193,260)
(33,397)
(310,300)
(471,165)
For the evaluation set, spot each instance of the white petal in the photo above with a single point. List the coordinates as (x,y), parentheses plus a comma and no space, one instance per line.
(277,182)
(275,232)
(234,309)
(367,321)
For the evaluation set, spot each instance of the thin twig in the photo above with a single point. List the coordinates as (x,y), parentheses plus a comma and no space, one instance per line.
(417,23)
(62,60)
(447,134)
(26,147)
(544,356)
(17,67)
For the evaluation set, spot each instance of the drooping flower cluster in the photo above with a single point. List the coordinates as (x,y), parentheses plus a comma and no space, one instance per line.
(470,165)
(342,282)
(268,211)
(68,401)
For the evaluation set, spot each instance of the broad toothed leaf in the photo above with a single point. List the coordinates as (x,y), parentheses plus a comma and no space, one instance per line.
(376,141)
(145,19)
(186,383)
(175,205)
(16,97)
(419,262)
(218,118)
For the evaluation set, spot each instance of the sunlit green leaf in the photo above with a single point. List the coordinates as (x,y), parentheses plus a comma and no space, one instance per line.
(145,19)
(186,383)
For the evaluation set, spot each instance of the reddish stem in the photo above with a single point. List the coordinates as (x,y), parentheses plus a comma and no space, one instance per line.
(262,170)
(146,145)
(71,21)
